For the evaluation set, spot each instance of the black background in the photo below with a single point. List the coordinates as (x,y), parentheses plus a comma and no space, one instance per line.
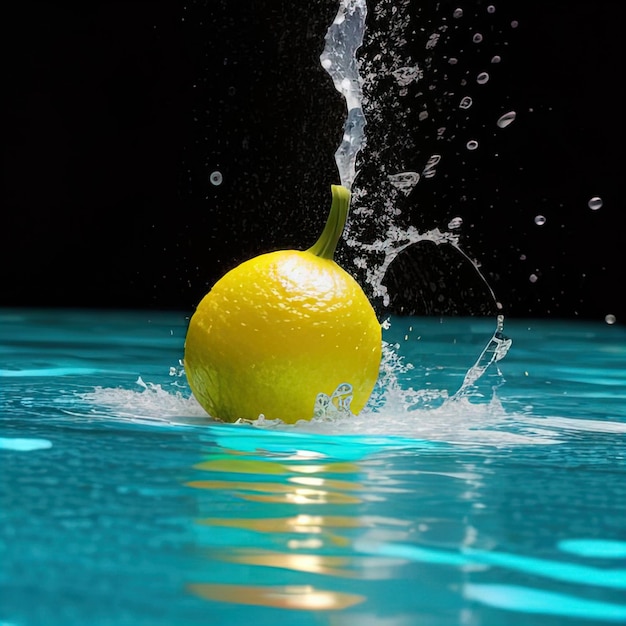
(116,113)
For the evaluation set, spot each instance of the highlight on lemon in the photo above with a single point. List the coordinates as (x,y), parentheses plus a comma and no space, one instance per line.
(288,334)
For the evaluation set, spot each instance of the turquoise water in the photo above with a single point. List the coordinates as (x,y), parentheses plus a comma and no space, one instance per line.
(122,503)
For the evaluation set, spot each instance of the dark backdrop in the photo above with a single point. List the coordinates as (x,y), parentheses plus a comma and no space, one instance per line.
(115,114)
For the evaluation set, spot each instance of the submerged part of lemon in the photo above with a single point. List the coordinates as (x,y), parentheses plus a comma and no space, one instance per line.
(281,331)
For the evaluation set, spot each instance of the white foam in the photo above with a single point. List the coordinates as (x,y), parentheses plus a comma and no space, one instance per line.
(455,421)
(150,403)
(458,421)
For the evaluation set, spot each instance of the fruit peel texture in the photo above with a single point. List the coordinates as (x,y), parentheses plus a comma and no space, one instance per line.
(276,331)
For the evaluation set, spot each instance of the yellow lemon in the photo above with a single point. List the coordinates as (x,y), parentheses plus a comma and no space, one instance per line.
(285,335)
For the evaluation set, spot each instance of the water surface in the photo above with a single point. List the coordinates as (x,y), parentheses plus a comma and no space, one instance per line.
(123,503)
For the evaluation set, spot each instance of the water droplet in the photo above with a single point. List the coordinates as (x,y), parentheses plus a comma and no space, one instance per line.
(533,278)
(496,58)
(404,181)
(216,178)
(514,24)
(423,115)
(455,222)
(540,220)
(430,168)
(610,319)
(506,119)
(465,103)
(522,257)
(472,144)
(453,61)
(482,78)
(595,203)
(477,38)
(326,63)
(457,13)
(491,9)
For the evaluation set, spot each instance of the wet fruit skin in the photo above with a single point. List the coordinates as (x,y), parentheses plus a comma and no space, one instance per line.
(280,328)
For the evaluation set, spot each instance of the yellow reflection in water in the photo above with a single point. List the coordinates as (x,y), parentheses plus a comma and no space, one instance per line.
(297,524)
(322,525)
(355,567)
(303,597)
(241,465)
(304,478)
(280,492)
(304,496)
(331,483)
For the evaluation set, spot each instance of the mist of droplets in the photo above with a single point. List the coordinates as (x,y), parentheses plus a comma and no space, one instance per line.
(399,64)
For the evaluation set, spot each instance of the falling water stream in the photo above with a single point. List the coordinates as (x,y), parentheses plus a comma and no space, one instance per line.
(339,59)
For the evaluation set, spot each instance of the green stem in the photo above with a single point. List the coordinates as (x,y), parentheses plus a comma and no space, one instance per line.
(326,245)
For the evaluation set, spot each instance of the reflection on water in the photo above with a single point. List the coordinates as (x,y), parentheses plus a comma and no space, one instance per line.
(389,533)
(299,481)
(304,597)
(325,508)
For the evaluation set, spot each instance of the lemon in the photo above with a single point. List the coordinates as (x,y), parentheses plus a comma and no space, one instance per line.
(285,334)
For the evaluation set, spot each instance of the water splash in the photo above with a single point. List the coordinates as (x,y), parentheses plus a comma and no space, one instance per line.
(412,415)
(343,39)
(364,82)
(338,403)
(358,81)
